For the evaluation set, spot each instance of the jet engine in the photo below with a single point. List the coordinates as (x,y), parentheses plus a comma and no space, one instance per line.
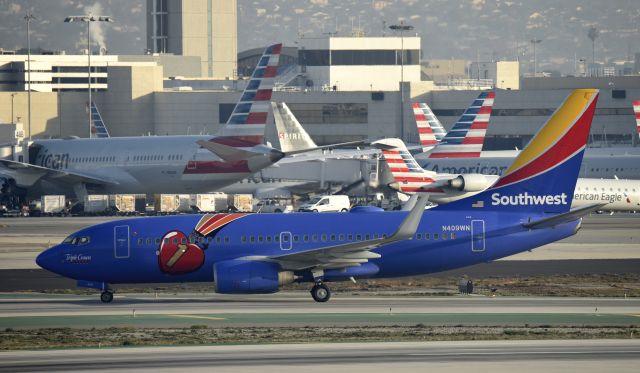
(239,276)
(470,183)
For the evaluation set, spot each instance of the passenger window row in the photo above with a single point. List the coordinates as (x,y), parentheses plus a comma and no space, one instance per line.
(435,236)
(148,241)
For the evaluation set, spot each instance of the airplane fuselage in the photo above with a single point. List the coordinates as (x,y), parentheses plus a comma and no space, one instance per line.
(128,251)
(151,164)
(597,163)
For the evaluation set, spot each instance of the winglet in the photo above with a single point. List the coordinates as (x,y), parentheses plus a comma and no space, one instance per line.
(409,225)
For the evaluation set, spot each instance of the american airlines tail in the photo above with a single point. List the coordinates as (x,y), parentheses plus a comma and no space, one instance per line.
(408,176)
(291,134)
(98,129)
(543,176)
(430,130)
(466,138)
(245,127)
(636,111)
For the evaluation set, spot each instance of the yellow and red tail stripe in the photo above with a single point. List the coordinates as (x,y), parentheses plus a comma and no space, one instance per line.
(210,222)
(558,141)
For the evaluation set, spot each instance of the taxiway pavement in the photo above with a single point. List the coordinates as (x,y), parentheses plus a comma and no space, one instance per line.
(490,356)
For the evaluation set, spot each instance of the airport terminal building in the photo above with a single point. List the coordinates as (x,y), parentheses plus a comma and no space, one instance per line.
(339,88)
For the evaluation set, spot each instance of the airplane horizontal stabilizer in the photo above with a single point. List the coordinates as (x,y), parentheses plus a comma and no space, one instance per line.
(568,216)
(331,146)
(227,153)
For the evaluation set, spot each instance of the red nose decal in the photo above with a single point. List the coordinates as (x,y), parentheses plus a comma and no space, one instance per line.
(177,256)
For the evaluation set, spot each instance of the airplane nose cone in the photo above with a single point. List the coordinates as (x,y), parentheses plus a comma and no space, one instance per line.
(46,259)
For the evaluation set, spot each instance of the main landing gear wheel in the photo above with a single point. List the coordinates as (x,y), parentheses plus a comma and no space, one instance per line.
(320,293)
(106,297)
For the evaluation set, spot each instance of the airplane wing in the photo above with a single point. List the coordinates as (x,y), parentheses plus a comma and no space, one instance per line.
(568,216)
(231,154)
(33,173)
(353,253)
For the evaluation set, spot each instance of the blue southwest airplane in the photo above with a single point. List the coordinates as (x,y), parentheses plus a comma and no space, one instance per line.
(527,207)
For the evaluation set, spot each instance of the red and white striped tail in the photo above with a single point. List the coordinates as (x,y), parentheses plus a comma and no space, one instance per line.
(467,136)
(407,174)
(636,111)
(245,127)
(425,132)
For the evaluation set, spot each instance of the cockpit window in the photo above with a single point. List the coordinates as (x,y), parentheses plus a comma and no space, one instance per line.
(77,241)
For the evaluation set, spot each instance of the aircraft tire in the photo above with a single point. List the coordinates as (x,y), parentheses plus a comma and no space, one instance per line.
(106,297)
(320,293)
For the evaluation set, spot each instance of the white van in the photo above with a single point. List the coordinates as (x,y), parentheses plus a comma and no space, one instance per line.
(326,204)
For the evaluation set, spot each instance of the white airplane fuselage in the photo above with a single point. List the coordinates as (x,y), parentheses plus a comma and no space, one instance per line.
(597,163)
(618,195)
(153,164)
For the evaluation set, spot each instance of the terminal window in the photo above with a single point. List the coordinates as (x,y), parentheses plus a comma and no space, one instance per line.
(342,113)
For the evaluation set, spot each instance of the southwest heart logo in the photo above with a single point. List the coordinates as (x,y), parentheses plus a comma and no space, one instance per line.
(177,256)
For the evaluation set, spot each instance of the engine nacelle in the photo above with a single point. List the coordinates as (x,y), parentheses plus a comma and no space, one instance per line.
(469,183)
(249,277)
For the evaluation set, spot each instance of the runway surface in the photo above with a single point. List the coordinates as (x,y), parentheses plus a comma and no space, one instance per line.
(297,308)
(491,356)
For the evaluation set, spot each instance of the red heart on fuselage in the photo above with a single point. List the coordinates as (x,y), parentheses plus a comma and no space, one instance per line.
(177,256)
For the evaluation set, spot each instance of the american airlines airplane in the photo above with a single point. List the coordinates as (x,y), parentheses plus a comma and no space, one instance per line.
(156,164)
(461,152)
(408,177)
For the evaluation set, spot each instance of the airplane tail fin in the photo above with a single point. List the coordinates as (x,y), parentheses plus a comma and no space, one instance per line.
(408,176)
(636,111)
(245,127)
(466,138)
(291,134)
(430,130)
(543,176)
(98,128)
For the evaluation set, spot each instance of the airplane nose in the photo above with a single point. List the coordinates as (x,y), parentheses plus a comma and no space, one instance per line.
(46,259)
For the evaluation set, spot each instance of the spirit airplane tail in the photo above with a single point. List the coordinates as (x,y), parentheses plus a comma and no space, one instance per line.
(466,138)
(291,134)
(543,177)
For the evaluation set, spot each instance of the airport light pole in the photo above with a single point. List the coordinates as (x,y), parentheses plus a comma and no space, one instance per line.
(88,19)
(402,28)
(13,95)
(28,17)
(535,61)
